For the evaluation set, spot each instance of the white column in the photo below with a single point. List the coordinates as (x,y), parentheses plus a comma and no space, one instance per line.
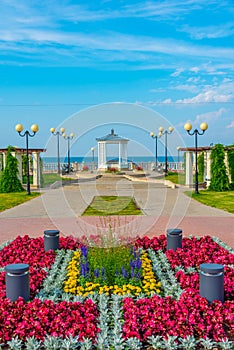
(104,155)
(36,169)
(120,155)
(226,164)
(189,169)
(208,168)
(18,156)
(124,155)
(99,154)
(4,160)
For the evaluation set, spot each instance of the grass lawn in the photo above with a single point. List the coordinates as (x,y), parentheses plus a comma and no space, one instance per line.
(176,178)
(9,200)
(112,205)
(49,179)
(220,200)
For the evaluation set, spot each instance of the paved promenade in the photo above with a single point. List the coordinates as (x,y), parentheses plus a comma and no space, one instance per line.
(162,206)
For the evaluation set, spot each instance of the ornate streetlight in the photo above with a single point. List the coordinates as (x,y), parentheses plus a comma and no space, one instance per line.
(165,132)
(178,149)
(156,147)
(68,138)
(188,128)
(92,150)
(19,128)
(58,133)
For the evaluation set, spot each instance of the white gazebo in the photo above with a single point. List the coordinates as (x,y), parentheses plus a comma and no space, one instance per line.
(112,138)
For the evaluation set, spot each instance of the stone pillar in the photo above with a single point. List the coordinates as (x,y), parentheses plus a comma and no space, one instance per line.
(18,156)
(4,160)
(208,168)
(36,169)
(227,167)
(124,155)
(102,155)
(189,168)
(1,162)
(120,156)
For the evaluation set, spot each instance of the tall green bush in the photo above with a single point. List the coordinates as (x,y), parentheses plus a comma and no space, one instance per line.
(219,178)
(231,164)
(9,181)
(201,167)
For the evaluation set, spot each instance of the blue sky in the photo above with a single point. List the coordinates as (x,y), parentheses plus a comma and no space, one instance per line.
(134,65)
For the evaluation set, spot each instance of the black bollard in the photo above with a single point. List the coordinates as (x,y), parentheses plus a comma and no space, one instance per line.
(51,240)
(212,282)
(17,281)
(174,238)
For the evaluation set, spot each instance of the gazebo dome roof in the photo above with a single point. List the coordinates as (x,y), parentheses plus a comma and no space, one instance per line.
(111,137)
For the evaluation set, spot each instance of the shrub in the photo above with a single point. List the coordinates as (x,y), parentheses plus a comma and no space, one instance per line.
(9,181)
(219,177)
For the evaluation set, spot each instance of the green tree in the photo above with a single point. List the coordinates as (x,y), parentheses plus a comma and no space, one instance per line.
(9,181)
(200,164)
(231,164)
(219,178)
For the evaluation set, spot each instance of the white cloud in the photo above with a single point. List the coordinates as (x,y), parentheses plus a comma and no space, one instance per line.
(167,101)
(210,32)
(217,93)
(186,87)
(206,97)
(177,72)
(193,80)
(210,116)
(231,125)
(195,69)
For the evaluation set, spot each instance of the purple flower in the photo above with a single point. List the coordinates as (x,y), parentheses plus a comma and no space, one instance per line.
(138,263)
(83,270)
(134,254)
(124,272)
(84,251)
(103,273)
(96,273)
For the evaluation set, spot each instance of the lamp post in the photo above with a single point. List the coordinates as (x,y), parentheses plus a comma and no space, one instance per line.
(19,128)
(165,132)
(92,150)
(188,128)
(58,133)
(156,147)
(178,149)
(68,138)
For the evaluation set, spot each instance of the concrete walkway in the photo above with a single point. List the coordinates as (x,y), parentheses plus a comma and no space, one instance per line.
(162,206)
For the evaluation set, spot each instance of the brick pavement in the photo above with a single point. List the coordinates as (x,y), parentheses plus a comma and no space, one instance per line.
(163,208)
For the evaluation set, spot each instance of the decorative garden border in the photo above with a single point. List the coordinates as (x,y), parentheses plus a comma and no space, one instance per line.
(108,317)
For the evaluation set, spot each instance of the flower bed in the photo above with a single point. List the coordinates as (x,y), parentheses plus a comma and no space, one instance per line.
(152,303)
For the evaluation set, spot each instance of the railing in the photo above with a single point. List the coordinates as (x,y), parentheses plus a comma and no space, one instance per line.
(146,166)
